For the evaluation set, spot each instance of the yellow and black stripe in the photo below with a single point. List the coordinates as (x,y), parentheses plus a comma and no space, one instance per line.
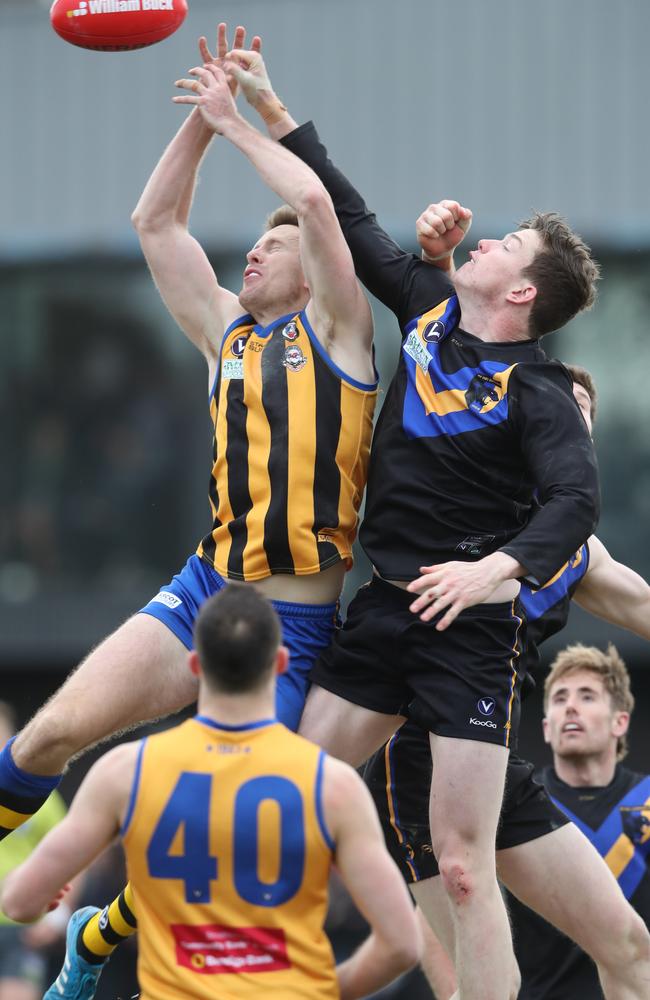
(291,444)
(109,928)
(16,810)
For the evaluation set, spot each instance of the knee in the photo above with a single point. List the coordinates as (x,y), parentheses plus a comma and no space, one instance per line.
(458,878)
(636,939)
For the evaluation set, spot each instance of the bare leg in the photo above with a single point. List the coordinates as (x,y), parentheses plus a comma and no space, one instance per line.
(347,731)
(436,963)
(466,794)
(613,935)
(138,673)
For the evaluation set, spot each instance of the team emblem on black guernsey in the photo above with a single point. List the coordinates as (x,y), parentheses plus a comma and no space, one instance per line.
(294,359)
(636,823)
(433,331)
(480,392)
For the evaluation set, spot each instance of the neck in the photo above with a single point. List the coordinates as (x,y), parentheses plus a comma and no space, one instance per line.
(238,709)
(491,325)
(586,771)
(265,315)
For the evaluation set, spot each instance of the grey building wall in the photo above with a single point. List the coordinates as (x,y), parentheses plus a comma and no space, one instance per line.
(506,105)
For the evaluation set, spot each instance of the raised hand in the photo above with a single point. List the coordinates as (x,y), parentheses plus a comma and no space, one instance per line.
(441,227)
(211,93)
(248,67)
(223,47)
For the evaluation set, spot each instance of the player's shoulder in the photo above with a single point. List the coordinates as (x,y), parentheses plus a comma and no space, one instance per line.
(545,373)
(342,786)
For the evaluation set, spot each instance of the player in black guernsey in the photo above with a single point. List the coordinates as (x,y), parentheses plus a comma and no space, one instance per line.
(527,846)
(588,704)
(475,421)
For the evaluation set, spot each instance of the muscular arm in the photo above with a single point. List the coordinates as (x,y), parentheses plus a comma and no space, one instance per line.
(394,943)
(90,826)
(337,304)
(179,265)
(614,592)
(560,457)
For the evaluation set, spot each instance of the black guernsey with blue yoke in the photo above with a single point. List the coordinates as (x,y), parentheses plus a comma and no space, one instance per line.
(469,430)
(479,447)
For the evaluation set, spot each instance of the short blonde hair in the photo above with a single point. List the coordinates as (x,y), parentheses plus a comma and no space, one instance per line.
(608,666)
(284,215)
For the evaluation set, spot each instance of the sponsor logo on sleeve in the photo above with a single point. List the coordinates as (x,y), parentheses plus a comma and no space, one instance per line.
(166,597)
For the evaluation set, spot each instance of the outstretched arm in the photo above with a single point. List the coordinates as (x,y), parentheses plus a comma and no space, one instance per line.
(182,272)
(337,303)
(91,824)
(614,592)
(397,278)
(395,942)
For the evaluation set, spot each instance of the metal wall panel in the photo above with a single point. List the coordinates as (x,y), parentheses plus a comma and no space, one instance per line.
(506,105)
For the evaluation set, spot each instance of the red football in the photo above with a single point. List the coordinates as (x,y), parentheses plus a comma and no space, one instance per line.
(116,25)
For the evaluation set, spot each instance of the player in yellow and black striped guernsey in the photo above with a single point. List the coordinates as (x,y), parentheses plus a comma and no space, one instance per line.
(292,390)
(229,830)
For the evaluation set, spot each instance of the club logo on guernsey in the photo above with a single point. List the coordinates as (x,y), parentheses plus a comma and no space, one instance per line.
(294,359)
(481,392)
(636,823)
(238,345)
(433,331)
(291,331)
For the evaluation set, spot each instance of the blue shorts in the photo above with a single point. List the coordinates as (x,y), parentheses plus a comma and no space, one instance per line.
(307,629)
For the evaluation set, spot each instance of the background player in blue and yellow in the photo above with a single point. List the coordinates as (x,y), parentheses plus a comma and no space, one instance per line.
(588,705)
(292,392)
(230,830)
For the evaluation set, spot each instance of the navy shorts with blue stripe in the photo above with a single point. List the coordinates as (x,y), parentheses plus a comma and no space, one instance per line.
(307,629)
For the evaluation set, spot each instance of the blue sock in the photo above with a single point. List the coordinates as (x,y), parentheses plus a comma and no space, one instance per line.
(21,793)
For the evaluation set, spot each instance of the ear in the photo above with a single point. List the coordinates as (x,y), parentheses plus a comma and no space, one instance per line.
(522,296)
(193,663)
(620,724)
(545,730)
(282,660)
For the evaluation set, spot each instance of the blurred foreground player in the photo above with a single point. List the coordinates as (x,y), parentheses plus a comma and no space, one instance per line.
(229,831)
(588,704)
(475,422)
(23,962)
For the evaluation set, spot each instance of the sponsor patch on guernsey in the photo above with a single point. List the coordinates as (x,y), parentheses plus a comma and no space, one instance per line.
(416,350)
(166,597)
(210,949)
(232,368)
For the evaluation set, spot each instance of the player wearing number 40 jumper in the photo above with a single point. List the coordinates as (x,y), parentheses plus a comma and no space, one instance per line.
(475,424)
(263,814)
(534,836)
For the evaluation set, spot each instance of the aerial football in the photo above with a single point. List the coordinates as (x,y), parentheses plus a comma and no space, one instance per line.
(116,25)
